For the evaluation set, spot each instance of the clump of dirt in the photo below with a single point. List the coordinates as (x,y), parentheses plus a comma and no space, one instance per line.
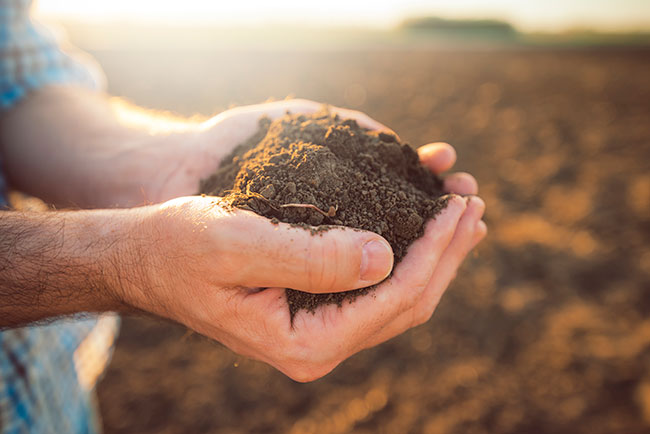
(320,170)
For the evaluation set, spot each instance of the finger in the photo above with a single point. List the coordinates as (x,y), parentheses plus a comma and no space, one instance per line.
(438,157)
(258,253)
(462,242)
(480,232)
(460,183)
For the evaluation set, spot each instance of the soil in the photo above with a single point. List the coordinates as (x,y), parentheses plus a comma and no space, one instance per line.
(320,170)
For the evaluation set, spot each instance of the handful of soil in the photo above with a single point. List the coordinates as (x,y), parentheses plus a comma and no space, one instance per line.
(321,170)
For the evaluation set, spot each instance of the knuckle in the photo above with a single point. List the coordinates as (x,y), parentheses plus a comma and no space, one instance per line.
(323,263)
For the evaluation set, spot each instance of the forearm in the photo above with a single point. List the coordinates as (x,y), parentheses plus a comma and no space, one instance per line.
(74,147)
(61,263)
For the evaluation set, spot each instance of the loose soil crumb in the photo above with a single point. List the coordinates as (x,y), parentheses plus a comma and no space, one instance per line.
(319,170)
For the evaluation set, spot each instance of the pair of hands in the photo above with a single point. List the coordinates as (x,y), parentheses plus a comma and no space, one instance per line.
(224,273)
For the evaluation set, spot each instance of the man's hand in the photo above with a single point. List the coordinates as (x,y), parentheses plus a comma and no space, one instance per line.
(224,273)
(234,289)
(243,304)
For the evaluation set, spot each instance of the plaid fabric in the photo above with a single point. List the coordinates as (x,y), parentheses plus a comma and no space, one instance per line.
(31,57)
(47,375)
(47,372)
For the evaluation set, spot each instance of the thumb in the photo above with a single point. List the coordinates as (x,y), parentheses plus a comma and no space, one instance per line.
(263,254)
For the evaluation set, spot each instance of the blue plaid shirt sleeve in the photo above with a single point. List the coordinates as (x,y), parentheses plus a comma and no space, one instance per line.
(47,372)
(31,57)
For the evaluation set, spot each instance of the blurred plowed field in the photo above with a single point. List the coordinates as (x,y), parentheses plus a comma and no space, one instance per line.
(546,328)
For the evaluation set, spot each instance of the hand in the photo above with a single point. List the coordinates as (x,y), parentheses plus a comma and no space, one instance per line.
(224,273)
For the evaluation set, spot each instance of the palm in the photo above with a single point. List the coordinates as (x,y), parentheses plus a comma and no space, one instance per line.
(327,336)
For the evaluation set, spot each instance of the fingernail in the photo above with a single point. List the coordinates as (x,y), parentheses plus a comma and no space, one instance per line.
(450,196)
(376,260)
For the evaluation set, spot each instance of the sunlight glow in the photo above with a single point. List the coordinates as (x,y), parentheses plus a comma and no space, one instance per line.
(528,15)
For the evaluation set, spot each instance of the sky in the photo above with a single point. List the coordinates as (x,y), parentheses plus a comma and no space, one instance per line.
(527,15)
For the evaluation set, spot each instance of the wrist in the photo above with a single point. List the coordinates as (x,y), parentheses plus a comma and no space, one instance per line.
(125,257)
(99,242)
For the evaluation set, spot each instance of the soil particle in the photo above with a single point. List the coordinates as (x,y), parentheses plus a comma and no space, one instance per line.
(319,170)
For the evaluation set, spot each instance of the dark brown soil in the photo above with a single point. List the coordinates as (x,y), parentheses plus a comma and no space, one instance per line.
(320,170)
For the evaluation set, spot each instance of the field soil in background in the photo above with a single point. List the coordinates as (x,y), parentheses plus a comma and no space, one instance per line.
(547,327)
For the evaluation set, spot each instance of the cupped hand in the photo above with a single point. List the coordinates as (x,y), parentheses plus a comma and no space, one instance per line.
(224,272)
